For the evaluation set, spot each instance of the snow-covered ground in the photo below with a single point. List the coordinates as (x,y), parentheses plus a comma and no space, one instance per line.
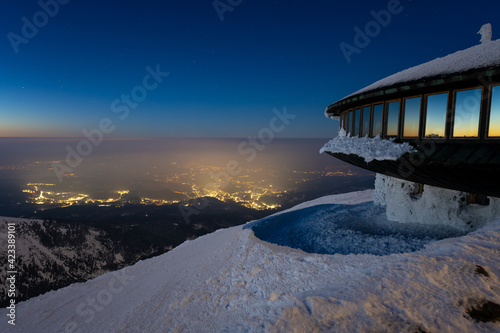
(231,281)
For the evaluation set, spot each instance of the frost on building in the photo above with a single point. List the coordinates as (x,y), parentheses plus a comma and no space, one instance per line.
(433,125)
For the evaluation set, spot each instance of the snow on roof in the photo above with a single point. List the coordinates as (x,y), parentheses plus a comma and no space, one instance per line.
(484,55)
(368,148)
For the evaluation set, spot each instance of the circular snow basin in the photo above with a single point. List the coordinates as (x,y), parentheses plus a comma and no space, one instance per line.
(347,229)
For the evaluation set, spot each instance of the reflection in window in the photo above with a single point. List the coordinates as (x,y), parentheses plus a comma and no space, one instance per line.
(392,118)
(467,108)
(378,113)
(356,123)
(366,121)
(412,117)
(347,123)
(494,127)
(436,115)
(351,120)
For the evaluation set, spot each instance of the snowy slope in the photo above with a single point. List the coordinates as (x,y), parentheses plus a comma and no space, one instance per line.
(29,245)
(230,281)
(53,254)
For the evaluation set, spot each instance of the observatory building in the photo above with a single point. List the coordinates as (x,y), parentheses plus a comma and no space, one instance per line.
(437,123)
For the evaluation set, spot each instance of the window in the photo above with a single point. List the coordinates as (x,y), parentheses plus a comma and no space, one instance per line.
(347,123)
(411,116)
(494,125)
(467,109)
(378,113)
(366,121)
(356,122)
(392,118)
(351,122)
(435,121)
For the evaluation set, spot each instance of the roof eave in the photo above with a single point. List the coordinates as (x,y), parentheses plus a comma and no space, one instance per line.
(426,83)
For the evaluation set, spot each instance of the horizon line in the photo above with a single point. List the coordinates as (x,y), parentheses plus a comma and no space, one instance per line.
(148,138)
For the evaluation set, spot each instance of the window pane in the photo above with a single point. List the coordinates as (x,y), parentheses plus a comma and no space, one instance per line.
(412,117)
(436,115)
(347,123)
(378,113)
(366,121)
(351,120)
(494,127)
(392,118)
(467,107)
(356,122)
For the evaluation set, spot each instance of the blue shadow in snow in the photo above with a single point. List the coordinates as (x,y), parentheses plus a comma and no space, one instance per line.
(347,229)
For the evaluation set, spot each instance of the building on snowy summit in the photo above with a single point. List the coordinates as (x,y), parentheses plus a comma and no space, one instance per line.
(437,123)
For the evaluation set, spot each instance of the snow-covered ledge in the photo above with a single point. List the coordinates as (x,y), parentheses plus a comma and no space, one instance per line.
(368,148)
(437,206)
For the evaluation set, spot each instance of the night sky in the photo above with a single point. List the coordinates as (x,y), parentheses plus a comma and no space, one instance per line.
(228,67)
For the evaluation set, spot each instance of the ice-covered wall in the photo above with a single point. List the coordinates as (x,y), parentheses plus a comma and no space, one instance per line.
(434,206)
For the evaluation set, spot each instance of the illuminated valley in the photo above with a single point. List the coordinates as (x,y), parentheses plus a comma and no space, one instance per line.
(257,188)
(127,175)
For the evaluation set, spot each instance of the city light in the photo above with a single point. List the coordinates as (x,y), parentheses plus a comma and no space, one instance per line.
(254,188)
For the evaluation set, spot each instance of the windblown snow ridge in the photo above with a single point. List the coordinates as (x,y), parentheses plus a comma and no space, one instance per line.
(368,148)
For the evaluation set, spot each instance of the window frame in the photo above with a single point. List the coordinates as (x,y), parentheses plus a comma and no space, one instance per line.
(356,121)
(346,122)
(362,120)
(488,113)
(424,114)
(453,112)
(372,116)
(351,121)
(385,125)
(403,115)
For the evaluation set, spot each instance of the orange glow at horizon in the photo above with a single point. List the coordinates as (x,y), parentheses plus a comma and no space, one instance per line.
(411,117)
(467,110)
(494,124)
(35,131)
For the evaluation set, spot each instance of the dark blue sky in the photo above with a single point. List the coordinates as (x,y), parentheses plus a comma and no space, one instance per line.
(225,76)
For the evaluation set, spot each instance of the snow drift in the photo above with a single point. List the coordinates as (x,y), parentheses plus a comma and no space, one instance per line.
(368,148)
